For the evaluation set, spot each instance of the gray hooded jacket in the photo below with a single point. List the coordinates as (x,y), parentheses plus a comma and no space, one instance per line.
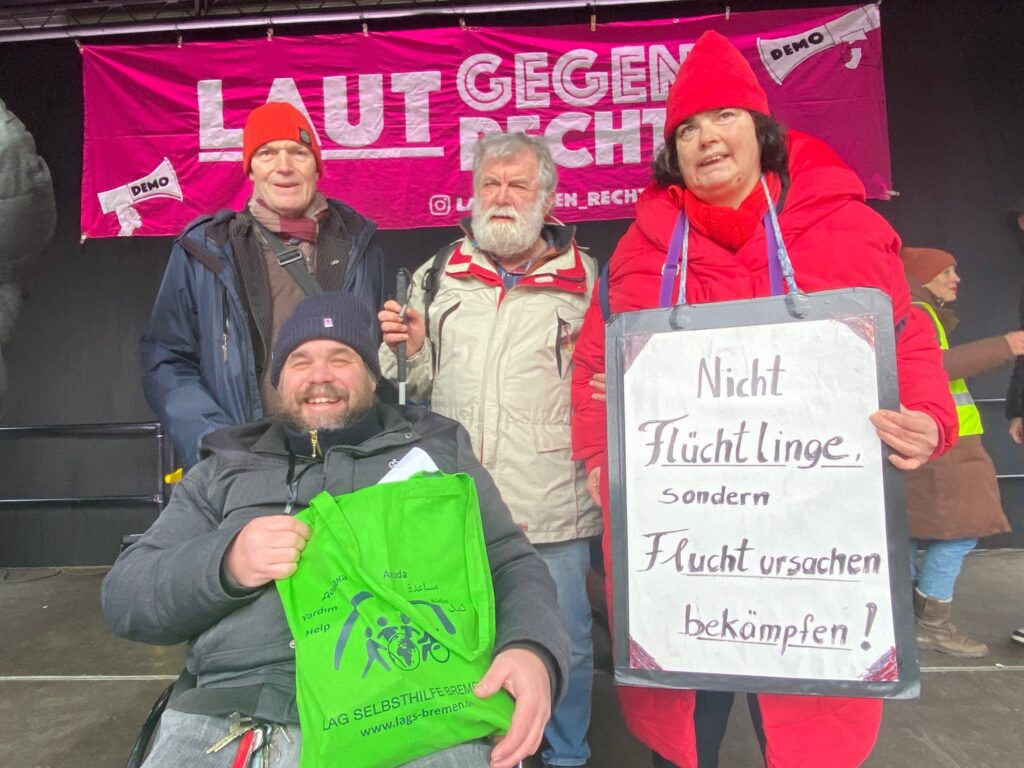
(167,588)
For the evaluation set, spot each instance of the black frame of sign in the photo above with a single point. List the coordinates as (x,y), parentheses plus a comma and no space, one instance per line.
(792,308)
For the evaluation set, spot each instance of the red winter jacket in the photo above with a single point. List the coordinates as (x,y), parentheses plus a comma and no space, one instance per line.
(834,241)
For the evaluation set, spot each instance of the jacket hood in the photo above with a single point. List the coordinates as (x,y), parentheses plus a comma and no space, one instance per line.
(820,182)
(239,438)
(919,293)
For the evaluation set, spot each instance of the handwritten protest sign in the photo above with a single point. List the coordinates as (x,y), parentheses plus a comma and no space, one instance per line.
(758,535)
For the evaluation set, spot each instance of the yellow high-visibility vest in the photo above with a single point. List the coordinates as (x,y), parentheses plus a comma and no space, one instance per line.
(966,411)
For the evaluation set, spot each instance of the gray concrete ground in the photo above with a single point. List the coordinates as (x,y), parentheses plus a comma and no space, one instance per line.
(74,696)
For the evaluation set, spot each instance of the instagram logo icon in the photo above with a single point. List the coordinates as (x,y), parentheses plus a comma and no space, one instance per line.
(440,205)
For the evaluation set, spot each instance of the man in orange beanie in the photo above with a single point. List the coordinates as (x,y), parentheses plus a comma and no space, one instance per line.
(234,278)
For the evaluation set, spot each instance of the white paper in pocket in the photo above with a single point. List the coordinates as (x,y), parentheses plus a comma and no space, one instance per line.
(416,460)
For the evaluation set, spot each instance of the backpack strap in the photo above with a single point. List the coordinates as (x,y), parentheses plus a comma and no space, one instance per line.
(290,257)
(432,279)
(193,242)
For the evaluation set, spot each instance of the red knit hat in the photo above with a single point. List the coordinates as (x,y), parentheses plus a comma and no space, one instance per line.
(714,75)
(274,121)
(924,264)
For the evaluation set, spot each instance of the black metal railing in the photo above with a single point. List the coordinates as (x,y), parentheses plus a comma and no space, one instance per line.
(153,429)
(998,401)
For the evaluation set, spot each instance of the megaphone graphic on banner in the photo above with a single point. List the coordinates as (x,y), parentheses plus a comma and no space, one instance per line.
(782,55)
(162,182)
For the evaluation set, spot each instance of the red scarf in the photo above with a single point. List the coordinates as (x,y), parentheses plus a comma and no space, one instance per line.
(731,228)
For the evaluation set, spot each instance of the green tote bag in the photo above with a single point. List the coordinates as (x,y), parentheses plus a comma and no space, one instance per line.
(392,611)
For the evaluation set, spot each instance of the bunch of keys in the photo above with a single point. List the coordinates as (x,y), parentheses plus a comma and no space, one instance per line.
(255,745)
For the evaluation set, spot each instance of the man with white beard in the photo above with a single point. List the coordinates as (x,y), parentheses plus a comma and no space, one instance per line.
(489,333)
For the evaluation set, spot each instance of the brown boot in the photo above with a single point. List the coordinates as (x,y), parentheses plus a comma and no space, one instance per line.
(936,632)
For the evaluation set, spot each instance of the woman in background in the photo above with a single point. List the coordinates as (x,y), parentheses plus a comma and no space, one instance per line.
(954,500)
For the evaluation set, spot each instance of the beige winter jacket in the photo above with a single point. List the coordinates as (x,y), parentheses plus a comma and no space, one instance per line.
(500,363)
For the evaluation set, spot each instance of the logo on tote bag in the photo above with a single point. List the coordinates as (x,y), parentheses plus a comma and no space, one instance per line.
(400,645)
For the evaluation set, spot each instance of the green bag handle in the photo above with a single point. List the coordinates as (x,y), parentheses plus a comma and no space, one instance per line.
(333,512)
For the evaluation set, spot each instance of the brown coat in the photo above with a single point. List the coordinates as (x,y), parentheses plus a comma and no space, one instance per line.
(956,495)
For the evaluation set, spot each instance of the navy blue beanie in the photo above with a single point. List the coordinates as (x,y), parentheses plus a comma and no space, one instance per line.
(336,316)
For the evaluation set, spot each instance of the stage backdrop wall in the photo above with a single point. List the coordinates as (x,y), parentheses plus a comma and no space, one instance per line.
(955,110)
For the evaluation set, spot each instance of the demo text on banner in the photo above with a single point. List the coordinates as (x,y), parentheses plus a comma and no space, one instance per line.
(398,114)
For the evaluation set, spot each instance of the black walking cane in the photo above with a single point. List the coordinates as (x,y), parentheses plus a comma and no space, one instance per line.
(402,297)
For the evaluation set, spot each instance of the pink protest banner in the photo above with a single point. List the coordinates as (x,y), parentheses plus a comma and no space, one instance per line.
(398,114)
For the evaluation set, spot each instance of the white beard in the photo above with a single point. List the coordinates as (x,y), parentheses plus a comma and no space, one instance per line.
(504,239)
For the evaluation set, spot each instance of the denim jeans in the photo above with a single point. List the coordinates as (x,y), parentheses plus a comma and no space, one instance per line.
(182,740)
(940,565)
(566,732)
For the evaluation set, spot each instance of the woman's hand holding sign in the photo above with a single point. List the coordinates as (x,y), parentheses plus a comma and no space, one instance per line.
(914,436)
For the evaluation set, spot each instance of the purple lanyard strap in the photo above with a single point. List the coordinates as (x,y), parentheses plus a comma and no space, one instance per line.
(779,265)
(680,235)
(774,265)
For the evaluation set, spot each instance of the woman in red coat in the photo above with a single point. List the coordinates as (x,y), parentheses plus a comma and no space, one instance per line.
(720,142)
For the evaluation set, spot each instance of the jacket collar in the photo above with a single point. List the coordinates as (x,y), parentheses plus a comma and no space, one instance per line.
(396,429)
(820,183)
(946,315)
(210,247)
(563,269)
(364,428)
(560,235)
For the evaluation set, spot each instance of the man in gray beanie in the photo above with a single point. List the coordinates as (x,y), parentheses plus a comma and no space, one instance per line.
(205,571)
(331,331)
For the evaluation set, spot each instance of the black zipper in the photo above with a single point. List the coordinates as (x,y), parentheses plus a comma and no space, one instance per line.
(224,322)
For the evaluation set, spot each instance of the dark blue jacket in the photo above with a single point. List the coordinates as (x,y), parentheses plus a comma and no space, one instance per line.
(208,338)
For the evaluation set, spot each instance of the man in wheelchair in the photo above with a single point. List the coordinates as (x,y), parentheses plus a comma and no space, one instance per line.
(205,571)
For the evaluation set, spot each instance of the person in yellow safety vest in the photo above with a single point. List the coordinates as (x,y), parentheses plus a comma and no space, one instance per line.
(953,500)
